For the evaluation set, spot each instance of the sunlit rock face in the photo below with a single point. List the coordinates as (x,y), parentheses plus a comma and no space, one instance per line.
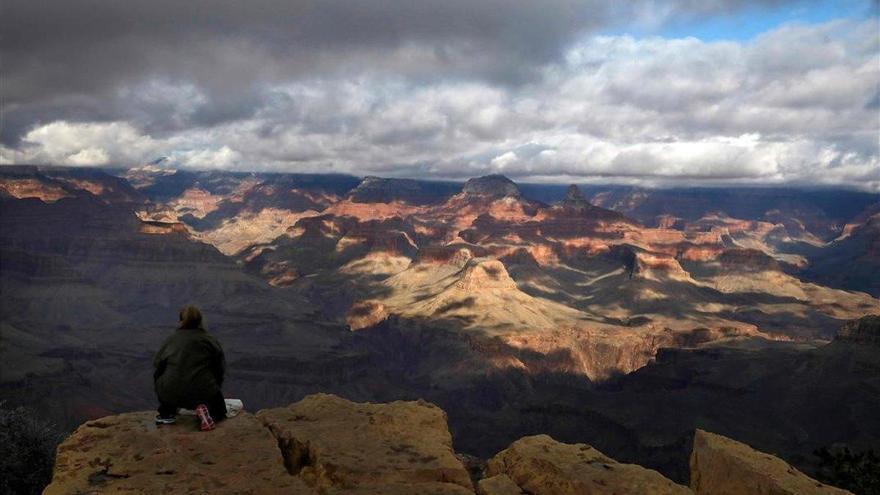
(367,211)
(236,212)
(50,184)
(161,228)
(484,275)
(701,267)
(515,315)
(365,314)
(249,228)
(658,267)
(539,464)
(331,442)
(721,466)
(394,241)
(131,454)
(324,444)
(23,187)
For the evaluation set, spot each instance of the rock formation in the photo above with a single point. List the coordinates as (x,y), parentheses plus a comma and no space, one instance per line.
(658,267)
(365,314)
(575,199)
(541,465)
(324,444)
(485,274)
(381,190)
(128,453)
(162,228)
(500,484)
(50,184)
(515,316)
(497,186)
(721,466)
(332,443)
(851,262)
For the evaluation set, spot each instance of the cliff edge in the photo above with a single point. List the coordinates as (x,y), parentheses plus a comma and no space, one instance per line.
(721,466)
(324,444)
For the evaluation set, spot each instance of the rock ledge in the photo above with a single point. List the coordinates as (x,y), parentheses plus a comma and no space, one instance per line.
(327,445)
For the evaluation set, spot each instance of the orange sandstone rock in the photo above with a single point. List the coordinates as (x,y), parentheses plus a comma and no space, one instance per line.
(32,188)
(500,484)
(129,454)
(364,314)
(721,466)
(334,443)
(540,465)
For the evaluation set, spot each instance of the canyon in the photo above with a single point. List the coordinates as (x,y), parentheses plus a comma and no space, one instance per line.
(618,317)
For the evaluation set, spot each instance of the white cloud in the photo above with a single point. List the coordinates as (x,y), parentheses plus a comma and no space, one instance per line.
(68,143)
(89,156)
(222,158)
(501,161)
(790,106)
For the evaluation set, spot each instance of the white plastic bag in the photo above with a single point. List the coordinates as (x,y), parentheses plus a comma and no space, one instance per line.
(233,407)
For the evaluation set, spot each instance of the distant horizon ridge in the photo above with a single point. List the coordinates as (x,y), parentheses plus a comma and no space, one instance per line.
(528,181)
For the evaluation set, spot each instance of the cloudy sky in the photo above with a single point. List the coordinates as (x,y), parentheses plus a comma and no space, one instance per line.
(651,92)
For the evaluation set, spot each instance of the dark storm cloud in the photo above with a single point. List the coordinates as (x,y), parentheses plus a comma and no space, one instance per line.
(82,60)
(439,88)
(69,59)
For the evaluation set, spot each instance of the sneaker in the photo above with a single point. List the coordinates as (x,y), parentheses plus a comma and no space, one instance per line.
(207,422)
(165,420)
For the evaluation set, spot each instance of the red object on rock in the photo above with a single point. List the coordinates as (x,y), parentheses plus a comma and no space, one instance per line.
(207,422)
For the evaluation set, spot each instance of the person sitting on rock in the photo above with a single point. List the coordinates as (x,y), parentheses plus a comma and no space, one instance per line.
(189,369)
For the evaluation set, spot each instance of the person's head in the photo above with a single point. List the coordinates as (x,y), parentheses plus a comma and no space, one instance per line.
(190,317)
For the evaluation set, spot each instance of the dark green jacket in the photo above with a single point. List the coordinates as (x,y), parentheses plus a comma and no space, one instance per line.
(189,368)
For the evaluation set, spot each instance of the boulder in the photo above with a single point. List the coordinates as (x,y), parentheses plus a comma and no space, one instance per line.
(433,488)
(327,445)
(721,466)
(540,465)
(129,453)
(500,484)
(333,443)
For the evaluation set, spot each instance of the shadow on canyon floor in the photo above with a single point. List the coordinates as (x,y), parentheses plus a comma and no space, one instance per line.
(780,398)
